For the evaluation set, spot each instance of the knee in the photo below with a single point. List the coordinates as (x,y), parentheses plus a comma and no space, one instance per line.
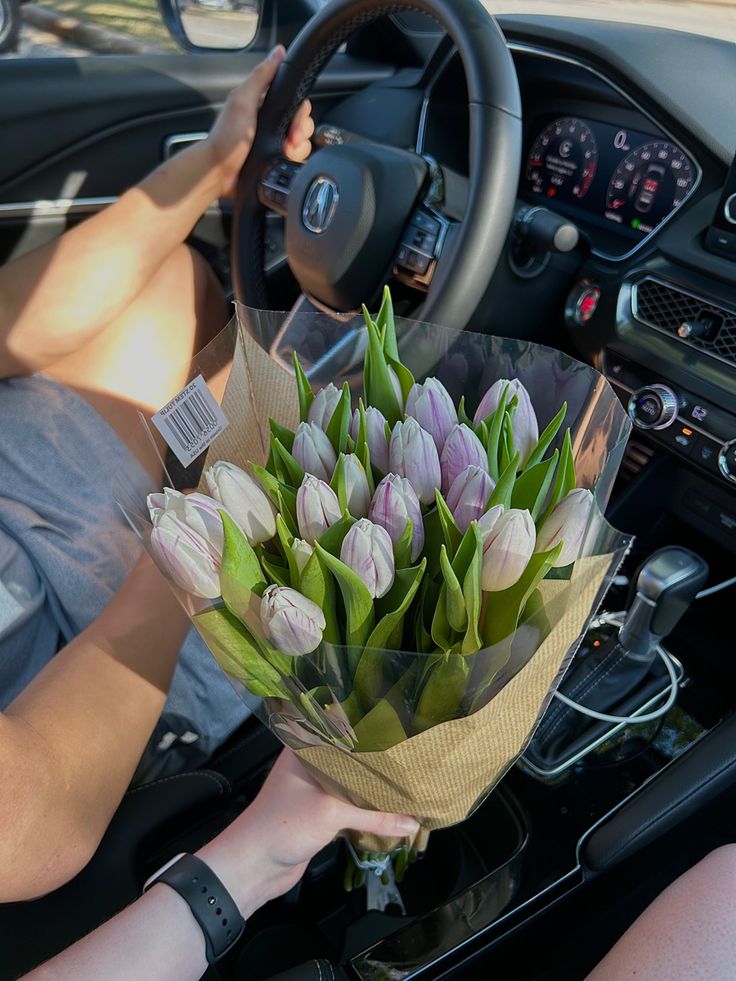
(715,875)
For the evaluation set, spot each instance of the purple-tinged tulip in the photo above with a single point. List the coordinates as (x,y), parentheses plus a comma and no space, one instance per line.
(313,451)
(323,407)
(375,426)
(368,551)
(244,499)
(188,540)
(468,496)
(432,407)
(524,424)
(567,523)
(396,385)
(292,623)
(508,545)
(393,505)
(317,508)
(357,491)
(462,449)
(412,454)
(303,552)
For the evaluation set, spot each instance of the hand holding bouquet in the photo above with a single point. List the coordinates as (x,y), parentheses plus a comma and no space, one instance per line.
(398,582)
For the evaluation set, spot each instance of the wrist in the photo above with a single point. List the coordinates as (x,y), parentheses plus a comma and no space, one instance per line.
(243,867)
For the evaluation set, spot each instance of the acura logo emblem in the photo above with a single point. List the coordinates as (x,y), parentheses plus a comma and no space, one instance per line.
(320,205)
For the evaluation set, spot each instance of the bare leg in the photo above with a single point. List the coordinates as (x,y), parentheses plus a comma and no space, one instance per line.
(141,360)
(687,934)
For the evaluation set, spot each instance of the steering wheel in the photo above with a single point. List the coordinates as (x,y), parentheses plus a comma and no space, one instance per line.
(357,213)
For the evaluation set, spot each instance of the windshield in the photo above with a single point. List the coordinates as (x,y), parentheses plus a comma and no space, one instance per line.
(714,18)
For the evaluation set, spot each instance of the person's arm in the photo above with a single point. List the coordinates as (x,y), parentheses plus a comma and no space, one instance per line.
(260,856)
(70,742)
(57,298)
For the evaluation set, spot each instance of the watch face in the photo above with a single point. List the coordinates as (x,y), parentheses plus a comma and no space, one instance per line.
(159,872)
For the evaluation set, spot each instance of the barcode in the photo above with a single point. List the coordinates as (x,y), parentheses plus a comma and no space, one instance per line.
(191,421)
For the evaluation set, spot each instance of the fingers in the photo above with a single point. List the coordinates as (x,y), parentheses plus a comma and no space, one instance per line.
(298,146)
(383,825)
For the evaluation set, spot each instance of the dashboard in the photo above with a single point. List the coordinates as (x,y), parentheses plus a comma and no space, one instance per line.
(605,172)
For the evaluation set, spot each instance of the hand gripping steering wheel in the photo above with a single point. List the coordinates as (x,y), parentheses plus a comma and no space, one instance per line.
(351,208)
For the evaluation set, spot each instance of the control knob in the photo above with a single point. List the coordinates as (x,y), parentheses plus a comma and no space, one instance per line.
(727,461)
(653,407)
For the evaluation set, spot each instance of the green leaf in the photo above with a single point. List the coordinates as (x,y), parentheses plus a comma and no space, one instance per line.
(281,433)
(481,431)
(286,538)
(457,615)
(331,541)
(304,389)
(283,496)
(504,608)
(450,531)
(443,636)
(473,596)
(241,573)
(545,440)
(359,609)
(379,389)
(380,729)
(402,548)
(237,654)
(292,469)
(276,571)
(494,422)
(386,324)
(339,425)
(398,599)
(531,488)
(406,379)
(422,637)
(317,584)
(507,442)
(462,415)
(442,696)
(504,489)
(565,479)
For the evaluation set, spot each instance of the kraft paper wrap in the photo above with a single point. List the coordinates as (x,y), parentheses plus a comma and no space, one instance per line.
(440,775)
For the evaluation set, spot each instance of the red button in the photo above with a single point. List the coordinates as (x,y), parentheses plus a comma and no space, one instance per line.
(588,304)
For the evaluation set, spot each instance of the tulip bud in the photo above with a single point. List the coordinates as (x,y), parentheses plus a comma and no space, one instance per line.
(303,552)
(367,550)
(393,505)
(566,523)
(317,508)
(432,407)
(412,454)
(508,545)
(313,451)
(187,539)
(292,623)
(375,426)
(323,407)
(244,499)
(468,496)
(462,449)
(357,491)
(524,423)
(396,385)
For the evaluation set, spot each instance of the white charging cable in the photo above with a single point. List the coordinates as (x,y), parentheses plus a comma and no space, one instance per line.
(716,589)
(632,719)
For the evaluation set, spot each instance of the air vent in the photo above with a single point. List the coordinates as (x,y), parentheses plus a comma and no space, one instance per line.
(691,319)
(637,457)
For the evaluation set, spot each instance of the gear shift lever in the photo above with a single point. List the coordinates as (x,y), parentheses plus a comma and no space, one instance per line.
(621,675)
(666,585)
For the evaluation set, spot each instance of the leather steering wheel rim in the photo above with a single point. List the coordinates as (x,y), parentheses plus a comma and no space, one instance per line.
(494,102)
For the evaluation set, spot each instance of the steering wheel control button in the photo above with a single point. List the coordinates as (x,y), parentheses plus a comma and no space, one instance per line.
(582,303)
(721,243)
(276,185)
(653,407)
(727,461)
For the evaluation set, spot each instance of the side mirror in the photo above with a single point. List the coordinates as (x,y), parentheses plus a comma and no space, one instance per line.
(212,25)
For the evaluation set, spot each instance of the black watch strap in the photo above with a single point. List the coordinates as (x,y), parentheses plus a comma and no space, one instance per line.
(211,904)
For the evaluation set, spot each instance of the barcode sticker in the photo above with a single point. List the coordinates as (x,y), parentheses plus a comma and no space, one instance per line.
(191,421)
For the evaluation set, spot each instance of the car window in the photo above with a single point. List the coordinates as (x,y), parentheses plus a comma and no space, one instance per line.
(58,28)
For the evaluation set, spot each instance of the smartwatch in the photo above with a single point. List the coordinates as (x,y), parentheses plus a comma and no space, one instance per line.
(210,903)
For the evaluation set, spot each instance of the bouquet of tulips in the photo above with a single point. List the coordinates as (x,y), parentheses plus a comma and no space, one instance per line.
(396,583)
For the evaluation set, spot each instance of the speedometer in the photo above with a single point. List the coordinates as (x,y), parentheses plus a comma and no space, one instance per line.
(648,184)
(563,160)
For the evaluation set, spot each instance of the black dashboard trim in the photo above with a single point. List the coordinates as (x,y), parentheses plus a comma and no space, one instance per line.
(541,52)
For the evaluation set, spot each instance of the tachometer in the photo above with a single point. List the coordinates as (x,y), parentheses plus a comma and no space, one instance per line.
(648,184)
(563,160)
